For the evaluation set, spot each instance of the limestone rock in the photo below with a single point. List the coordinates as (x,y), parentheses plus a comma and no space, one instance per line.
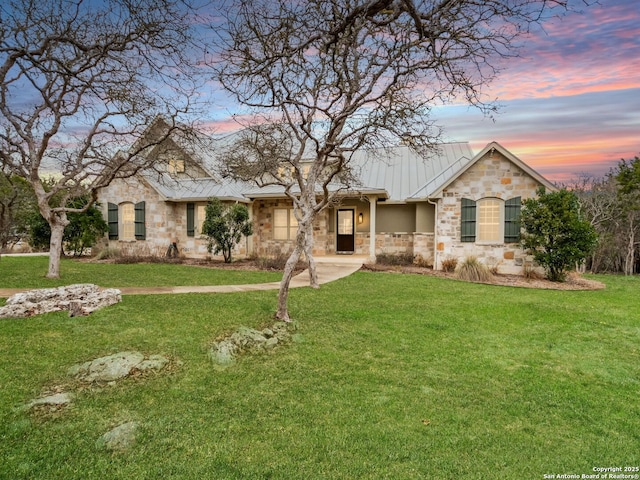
(120,438)
(245,339)
(154,362)
(55,400)
(223,354)
(79,299)
(116,366)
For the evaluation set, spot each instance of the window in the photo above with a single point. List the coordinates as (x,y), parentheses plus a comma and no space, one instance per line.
(201,216)
(128,221)
(490,220)
(195,218)
(285,224)
(176,166)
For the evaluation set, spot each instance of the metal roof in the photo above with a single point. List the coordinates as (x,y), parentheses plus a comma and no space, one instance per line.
(196,189)
(397,173)
(401,171)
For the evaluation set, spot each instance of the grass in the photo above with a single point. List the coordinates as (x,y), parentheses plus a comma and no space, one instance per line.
(397,376)
(29,272)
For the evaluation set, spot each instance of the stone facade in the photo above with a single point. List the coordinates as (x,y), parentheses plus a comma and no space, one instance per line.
(492,176)
(424,222)
(263,230)
(165,223)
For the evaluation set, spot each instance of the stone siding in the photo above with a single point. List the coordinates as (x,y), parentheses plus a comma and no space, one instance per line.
(266,245)
(492,176)
(165,223)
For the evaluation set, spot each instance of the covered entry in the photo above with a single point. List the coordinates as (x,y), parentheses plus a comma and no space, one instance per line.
(345,231)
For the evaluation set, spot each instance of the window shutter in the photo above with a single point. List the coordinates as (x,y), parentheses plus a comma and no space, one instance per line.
(191,224)
(112,220)
(140,229)
(512,220)
(468,221)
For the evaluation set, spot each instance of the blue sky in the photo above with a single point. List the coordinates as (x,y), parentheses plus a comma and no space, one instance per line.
(569,105)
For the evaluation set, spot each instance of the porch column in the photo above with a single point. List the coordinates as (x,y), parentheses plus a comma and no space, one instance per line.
(372,228)
(249,239)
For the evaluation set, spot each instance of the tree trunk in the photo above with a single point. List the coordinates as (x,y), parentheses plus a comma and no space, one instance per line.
(55,249)
(308,251)
(283,293)
(629,261)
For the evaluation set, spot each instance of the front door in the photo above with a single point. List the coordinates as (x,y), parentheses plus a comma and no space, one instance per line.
(346,235)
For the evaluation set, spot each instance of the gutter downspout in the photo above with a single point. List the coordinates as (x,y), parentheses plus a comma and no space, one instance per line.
(435,234)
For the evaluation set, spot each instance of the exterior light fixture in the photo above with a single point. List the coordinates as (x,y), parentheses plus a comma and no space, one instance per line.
(360,218)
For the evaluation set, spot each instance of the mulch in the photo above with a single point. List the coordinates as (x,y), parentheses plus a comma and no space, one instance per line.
(574,281)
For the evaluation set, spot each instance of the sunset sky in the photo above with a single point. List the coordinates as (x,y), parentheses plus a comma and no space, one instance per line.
(570,104)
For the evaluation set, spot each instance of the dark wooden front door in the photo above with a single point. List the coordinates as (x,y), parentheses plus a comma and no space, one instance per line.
(345,232)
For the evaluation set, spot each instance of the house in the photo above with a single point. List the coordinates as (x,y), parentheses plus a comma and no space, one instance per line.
(451,204)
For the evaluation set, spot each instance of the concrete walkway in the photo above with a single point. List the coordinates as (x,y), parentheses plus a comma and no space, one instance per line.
(329,268)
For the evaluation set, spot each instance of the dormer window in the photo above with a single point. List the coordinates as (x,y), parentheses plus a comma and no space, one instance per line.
(176,166)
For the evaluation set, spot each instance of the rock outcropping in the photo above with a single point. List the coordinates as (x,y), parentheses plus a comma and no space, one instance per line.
(78,299)
(224,352)
(116,366)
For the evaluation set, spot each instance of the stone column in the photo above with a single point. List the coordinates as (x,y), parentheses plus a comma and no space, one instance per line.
(372,228)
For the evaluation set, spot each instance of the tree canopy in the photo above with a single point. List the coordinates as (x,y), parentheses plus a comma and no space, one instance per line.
(323,78)
(225,225)
(80,82)
(555,232)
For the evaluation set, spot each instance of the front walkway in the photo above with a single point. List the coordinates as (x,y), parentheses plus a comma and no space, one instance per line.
(329,268)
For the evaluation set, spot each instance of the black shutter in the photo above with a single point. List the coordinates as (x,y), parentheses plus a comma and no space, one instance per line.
(191,223)
(468,221)
(140,229)
(512,220)
(112,220)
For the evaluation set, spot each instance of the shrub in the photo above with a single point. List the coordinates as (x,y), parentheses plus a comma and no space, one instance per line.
(225,225)
(449,264)
(108,253)
(422,262)
(277,261)
(473,270)
(272,262)
(555,233)
(395,258)
(530,272)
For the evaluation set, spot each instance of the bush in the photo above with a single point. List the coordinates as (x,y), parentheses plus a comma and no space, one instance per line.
(422,262)
(473,270)
(449,264)
(393,259)
(555,233)
(272,262)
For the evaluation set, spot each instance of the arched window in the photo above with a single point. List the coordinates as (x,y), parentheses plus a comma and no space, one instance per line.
(128,222)
(490,220)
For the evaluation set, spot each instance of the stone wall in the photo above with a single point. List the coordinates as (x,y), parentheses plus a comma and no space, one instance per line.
(492,176)
(165,222)
(265,244)
(416,243)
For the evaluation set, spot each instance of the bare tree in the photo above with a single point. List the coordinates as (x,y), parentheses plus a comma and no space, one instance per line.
(79,82)
(333,76)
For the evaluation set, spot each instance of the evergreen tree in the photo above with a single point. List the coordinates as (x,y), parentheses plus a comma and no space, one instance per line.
(555,233)
(225,225)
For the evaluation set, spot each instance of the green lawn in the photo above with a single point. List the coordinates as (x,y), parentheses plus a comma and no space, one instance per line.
(29,272)
(397,376)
